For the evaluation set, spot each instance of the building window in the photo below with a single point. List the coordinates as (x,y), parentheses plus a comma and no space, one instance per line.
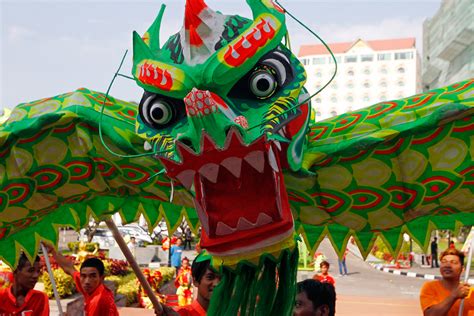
(338,60)
(404,55)
(350,99)
(333,113)
(318,100)
(350,59)
(350,85)
(401,70)
(333,99)
(319,60)
(366,57)
(401,83)
(384,56)
(383,84)
(350,73)
(366,98)
(383,70)
(383,97)
(367,71)
(305,61)
(366,84)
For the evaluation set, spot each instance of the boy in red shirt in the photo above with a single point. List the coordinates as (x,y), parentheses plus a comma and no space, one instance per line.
(205,279)
(98,299)
(20,298)
(324,276)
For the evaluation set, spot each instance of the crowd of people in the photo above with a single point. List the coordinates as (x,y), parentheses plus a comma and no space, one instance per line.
(316,296)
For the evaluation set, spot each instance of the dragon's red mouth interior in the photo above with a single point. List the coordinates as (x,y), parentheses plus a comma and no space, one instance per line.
(238,190)
(240,201)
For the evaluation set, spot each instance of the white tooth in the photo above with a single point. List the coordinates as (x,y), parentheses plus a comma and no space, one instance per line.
(278,145)
(272,160)
(203,218)
(147,146)
(210,171)
(280,131)
(244,224)
(223,229)
(155,73)
(233,164)
(278,193)
(186,177)
(256,159)
(263,219)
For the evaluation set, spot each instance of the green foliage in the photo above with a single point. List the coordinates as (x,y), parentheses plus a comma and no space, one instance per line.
(74,246)
(130,291)
(64,282)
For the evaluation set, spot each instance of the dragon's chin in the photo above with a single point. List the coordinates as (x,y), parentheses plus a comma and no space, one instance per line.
(240,196)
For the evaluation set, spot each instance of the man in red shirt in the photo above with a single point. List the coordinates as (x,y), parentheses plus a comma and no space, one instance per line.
(20,298)
(98,299)
(205,279)
(324,276)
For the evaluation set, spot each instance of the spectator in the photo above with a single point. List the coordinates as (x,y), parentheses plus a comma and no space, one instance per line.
(315,299)
(451,245)
(98,299)
(175,254)
(443,297)
(205,279)
(342,264)
(318,258)
(20,298)
(434,253)
(188,238)
(324,276)
(132,245)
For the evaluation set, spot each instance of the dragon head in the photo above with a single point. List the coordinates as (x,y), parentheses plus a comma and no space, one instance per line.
(219,101)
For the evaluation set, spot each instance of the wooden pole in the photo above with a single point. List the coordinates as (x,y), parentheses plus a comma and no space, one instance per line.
(51,277)
(133,263)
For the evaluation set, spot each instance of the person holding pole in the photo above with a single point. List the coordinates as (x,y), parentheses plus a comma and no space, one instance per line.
(443,297)
(98,299)
(20,298)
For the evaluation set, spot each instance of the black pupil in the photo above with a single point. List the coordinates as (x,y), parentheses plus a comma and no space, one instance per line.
(263,84)
(157,113)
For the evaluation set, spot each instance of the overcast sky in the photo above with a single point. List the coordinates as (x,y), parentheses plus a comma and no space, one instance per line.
(52,47)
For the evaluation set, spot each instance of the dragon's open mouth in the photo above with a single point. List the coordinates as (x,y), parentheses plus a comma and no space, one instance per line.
(238,192)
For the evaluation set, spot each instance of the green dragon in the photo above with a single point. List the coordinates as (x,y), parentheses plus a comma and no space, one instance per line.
(223,137)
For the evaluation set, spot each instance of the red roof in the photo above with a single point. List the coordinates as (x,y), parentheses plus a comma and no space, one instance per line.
(340,48)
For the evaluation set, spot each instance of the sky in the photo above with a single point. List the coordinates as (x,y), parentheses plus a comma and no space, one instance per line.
(53,47)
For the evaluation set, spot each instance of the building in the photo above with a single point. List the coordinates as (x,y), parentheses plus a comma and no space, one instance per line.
(448,44)
(368,72)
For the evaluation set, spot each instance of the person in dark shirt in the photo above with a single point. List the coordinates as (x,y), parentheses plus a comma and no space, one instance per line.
(434,253)
(315,299)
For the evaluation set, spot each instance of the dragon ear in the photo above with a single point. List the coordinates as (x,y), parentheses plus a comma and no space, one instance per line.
(259,7)
(140,49)
(152,35)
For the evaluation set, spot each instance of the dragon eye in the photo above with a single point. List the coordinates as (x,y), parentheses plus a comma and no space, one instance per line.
(263,83)
(158,112)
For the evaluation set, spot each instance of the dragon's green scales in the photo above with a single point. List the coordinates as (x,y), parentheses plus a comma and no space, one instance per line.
(241,160)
